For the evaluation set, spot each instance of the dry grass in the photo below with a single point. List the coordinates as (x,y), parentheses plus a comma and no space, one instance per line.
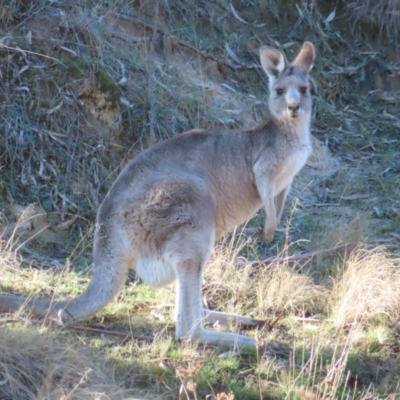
(367,288)
(36,365)
(114,84)
(383,15)
(265,291)
(358,307)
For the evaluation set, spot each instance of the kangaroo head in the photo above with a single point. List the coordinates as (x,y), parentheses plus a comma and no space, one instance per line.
(289,83)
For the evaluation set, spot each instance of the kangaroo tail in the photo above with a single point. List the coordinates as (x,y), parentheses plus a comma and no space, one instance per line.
(108,276)
(9,303)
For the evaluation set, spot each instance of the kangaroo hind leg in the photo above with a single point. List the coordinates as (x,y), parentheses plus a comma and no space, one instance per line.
(223,318)
(189,262)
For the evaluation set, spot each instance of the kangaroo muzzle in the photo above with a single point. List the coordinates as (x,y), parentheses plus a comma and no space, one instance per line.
(292,103)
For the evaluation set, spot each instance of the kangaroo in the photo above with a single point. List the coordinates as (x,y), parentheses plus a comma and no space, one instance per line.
(167,207)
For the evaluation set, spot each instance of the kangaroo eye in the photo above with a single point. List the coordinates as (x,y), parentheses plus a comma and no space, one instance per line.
(303,90)
(279,91)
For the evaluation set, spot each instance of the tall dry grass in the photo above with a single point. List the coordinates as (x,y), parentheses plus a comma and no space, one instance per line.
(381,14)
(46,363)
(263,291)
(367,287)
(38,366)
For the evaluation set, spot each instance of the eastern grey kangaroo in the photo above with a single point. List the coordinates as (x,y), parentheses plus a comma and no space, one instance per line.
(167,207)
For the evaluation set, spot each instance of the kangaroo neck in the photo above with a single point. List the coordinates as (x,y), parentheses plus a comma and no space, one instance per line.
(295,129)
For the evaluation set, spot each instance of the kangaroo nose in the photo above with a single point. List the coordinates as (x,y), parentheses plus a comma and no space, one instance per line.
(293,107)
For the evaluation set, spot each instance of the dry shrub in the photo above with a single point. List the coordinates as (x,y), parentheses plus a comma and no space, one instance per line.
(282,287)
(367,288)
(383,14)
(8,258)
(33,366)
(226,284)
(264,289)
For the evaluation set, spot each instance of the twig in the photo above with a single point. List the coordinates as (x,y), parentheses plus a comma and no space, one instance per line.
(311,319)
(297,257)
(276,320)
(239,18)
(215,59)
(395,235)
(16,49)
(126,336)
(50,133)
(9,321)
(135,21)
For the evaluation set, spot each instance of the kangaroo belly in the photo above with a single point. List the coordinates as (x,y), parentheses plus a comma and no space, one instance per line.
(155,271)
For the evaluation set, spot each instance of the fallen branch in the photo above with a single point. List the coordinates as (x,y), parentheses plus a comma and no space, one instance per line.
(126,336)
(302,256)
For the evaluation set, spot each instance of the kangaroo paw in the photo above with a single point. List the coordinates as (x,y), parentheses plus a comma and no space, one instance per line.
(64,316)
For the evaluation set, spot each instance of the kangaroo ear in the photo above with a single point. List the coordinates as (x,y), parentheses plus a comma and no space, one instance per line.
(273,62)
(306,57)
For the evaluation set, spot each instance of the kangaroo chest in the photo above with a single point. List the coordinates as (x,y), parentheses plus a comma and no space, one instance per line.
(290,167)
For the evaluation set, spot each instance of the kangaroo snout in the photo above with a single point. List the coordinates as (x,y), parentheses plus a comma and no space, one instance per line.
(292,99)
(293,107)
